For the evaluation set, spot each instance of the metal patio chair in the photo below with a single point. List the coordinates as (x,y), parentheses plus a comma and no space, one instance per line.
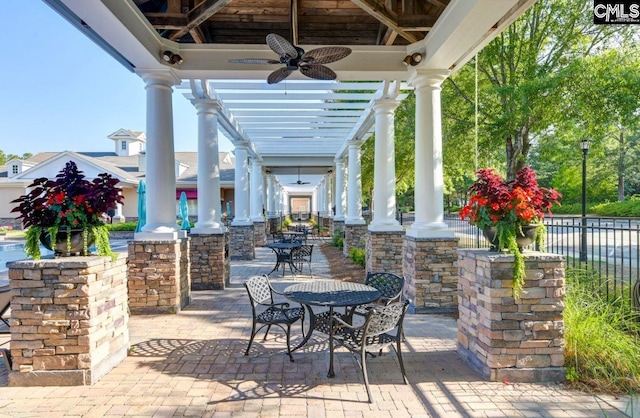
(301,256)
(382,328)
(267,313)
(390,286)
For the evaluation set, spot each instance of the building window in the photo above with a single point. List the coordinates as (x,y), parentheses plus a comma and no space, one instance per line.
(123,145)
(14,169)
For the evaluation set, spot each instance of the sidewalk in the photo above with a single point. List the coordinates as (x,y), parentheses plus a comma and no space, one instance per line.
(193,364)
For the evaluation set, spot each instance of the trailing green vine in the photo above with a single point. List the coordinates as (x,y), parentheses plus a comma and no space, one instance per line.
(507,233)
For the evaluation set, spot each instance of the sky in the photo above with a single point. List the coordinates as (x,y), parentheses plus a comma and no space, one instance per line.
(60,91)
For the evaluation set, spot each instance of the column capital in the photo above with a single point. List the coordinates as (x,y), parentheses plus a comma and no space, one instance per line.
(163,77)
(207,105)
(422,78)
(355,143)
(241,145)
(382,105)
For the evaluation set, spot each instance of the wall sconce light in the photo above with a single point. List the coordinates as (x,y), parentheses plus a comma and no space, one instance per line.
(172,58)
(413,59)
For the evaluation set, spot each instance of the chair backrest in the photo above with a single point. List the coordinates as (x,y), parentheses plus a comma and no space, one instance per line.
(390,285)
(385,318)
(259,289)
(636,295)
(303,253)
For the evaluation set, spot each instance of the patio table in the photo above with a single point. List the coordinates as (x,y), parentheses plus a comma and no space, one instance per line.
(283,251)
(331,294)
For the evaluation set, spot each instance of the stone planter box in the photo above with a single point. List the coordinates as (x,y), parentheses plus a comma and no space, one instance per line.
(508,339)
(69,320)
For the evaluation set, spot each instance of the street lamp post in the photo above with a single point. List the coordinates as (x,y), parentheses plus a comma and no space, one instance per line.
(585,144)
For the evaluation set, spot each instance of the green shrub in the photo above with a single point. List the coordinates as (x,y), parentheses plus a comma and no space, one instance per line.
(358,256)
(602,338)
(287,221)
(337,239)
(124,226)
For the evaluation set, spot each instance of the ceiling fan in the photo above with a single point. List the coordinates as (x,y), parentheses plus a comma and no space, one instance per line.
(309,63)
(299,181)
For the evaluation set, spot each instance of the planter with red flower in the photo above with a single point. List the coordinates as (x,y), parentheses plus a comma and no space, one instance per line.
(510,213)
(65,214)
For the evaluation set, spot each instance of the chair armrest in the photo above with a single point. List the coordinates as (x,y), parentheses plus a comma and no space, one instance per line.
(343,324)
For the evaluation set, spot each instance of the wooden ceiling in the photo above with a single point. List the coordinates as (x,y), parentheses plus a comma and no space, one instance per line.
(308,22)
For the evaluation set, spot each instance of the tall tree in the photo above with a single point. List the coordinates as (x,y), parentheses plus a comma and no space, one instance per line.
(523,72)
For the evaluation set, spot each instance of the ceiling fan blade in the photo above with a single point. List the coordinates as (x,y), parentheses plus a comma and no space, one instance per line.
(281,46)
(278,75)
(318,72)
(326,55)
(254,61)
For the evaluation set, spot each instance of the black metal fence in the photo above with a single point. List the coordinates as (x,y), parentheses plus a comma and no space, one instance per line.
(610,256)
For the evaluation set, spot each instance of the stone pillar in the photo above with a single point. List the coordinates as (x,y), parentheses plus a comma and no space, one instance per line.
(160,161)
(507,339)
(259,233)
(429,177)
(209,216)
(69,320)
(430,274)
(337,227)
(341,195)
(241,242)
(242,246)
(159,281)
(354,236)
(384,252)
(209,255)
(355,228)
(384,177)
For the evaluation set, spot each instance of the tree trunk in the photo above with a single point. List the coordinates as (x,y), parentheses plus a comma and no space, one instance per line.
(621,158)
(517,147)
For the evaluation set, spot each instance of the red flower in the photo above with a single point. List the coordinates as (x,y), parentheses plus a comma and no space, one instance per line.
(495,200)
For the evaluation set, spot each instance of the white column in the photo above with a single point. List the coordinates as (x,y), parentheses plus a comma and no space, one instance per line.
(278,196)
(241,192)
(354,193)
(271,200)
(429,181)
(323,196)
(340,190)
(330,194)
(160,173)
(209,221)
(257,191)
(384,178)
(314,200)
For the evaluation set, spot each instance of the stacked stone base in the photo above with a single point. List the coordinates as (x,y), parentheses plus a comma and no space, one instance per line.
(210,265)
(259,233)
(241,245)
(431,274)
(508,339)
(159,281)
(355,236)
(384,252)
(69,320)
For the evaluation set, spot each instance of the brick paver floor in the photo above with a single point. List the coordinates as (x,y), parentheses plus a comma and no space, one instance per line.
(192,364)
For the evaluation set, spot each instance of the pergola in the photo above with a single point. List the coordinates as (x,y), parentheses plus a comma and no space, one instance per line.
(299,125)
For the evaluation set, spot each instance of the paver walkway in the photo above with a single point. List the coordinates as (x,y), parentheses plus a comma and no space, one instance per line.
(192,364)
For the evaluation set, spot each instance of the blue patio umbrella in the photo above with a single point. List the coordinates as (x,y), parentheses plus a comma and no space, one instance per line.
(184,212)
(229,209)
(142,205)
